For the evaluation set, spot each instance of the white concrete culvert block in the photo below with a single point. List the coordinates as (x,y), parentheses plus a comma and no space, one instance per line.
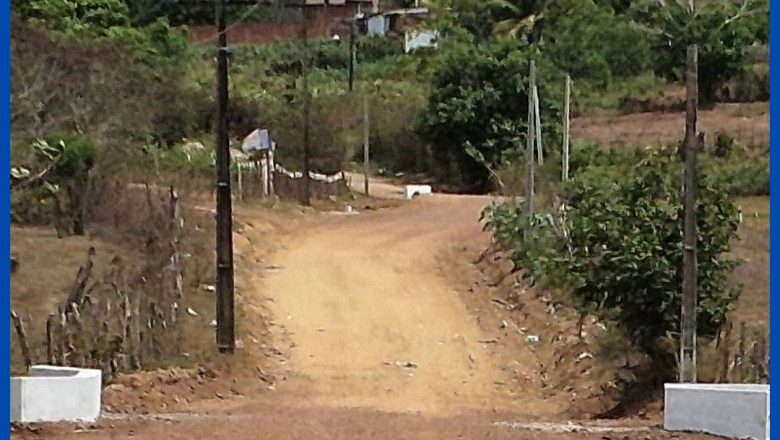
(411,191)
(56,394)
(729,410)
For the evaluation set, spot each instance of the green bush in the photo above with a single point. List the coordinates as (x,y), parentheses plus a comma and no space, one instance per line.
(723,42)
(619,248)
(73,155)
(480,101)
(592,42)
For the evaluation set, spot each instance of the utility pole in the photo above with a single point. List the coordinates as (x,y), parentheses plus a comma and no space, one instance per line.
(529,191)
(225,302)
(689,295)
(352,55)
(365,144)
(566,134)
(306,106)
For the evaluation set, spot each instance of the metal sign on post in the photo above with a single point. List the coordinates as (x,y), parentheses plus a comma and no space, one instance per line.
(258,140)
(261,146)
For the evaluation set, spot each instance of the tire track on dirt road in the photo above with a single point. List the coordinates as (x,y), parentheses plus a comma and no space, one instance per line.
(373,323)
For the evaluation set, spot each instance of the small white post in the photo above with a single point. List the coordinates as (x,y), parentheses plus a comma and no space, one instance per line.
(365,144)
(240,182)
(264,171)
(270,168)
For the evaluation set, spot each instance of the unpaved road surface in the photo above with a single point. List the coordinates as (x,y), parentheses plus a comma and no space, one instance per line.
(372,323)
(380,347)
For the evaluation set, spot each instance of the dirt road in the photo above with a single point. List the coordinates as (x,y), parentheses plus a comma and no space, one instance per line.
(374,324)
(378,343)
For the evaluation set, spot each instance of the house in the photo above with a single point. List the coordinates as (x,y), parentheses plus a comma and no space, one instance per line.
(325,17)
(404,22)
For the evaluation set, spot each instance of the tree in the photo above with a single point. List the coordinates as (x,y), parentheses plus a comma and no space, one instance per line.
(485,19)
(72,16)
(593,42)
(721,29)
(67,159)
(480,101)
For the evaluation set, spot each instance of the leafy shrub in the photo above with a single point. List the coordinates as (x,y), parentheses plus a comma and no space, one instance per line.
(619,248)
(75,16)
(741,174)
(724,145)
(480,101)
(593,42)
(751,85)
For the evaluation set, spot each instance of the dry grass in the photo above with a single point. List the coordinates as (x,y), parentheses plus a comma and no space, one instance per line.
(48,266)
(753,272)
(124,234)
(748,124)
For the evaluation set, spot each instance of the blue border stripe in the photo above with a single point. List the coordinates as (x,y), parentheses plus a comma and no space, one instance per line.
(5,193)
(774,240)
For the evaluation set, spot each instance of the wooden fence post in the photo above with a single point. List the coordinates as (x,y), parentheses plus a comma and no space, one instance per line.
(739,361)
(22,339)
(529,192)
(50,349)
(725,347)
(177,224)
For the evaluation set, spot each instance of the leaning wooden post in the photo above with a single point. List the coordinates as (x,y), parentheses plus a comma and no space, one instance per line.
(177,224)
(50,357)
(22,339)
(538,126)
(529,192)
(566,133)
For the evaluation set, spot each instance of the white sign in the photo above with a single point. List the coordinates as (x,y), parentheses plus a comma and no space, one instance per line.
(258,140)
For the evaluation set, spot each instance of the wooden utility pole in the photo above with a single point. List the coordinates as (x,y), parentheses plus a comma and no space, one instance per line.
(566,133)
(529,191)
(306,107)
(225,301)
(689,296)
(352,56)
(365,143)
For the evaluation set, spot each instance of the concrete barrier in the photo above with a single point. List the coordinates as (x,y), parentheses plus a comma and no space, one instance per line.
(56,394)
(727,410)
(410,191)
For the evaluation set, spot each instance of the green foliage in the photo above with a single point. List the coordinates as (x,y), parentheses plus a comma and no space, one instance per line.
(740,173)
(183,12)
(480,100)
(72,155)
(619,248)
(721,30)
(157,43)
(74,16)
(593,42)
